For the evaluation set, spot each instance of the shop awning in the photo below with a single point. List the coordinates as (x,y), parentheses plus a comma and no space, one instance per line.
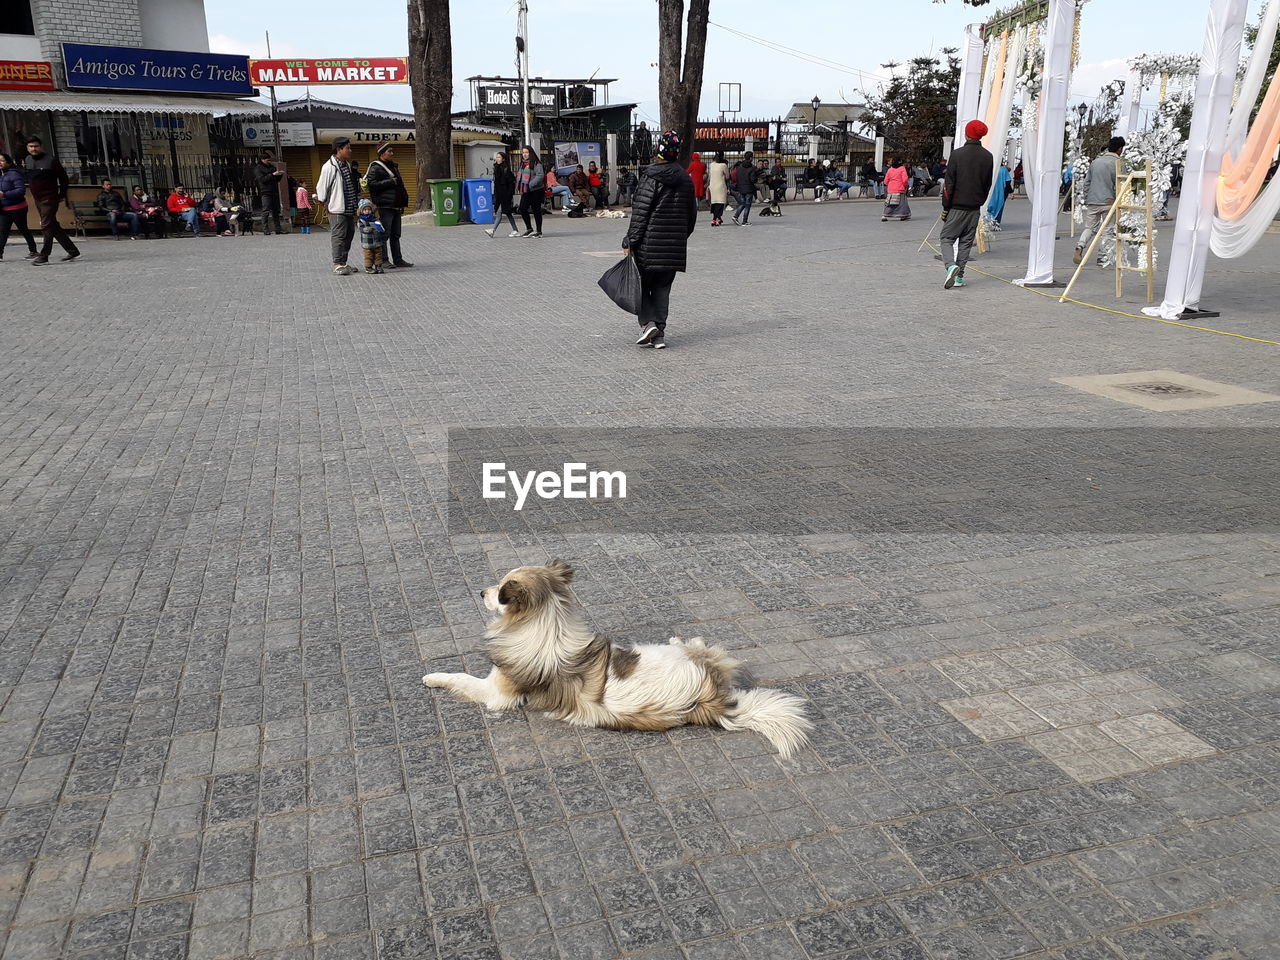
(127,103)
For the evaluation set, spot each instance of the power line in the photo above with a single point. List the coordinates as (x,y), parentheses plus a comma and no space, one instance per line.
(799,54)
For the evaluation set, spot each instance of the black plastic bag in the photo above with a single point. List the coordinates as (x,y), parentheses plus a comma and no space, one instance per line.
(622,283)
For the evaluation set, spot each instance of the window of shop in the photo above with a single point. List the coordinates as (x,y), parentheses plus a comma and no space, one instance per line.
(17,126)
(17,19)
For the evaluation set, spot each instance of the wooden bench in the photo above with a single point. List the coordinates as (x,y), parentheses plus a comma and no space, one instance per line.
(87,215)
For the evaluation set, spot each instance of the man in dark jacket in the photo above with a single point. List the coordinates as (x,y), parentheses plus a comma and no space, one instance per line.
(966,185)
(663,214)
(642,146)
(48,183)
(268,178)
(742,180)
(113,205)
(388,193)
(580,187)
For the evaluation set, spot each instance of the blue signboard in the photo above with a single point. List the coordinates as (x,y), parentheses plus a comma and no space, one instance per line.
(167,71)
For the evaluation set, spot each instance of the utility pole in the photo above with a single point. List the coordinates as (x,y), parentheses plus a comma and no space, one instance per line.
(522,48)
(275,116)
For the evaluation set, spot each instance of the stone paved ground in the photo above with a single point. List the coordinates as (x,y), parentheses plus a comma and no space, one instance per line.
(224,568)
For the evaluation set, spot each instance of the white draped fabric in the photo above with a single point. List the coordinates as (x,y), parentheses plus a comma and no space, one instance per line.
(1050,129)
(970,80)
(1205,146)
(1133,103)
(996,137)
(1031,121)
(1232,238)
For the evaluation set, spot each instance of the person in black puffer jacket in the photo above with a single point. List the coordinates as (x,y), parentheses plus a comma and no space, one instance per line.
(387,191)
(504,190)
(663,214)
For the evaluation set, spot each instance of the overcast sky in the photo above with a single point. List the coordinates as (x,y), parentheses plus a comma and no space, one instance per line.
(618,39)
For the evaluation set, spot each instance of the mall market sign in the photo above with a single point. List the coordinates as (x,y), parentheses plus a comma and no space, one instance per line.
(276,73)
(96,67)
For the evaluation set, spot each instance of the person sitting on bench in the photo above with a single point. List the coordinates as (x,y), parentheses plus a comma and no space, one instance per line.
(114,206)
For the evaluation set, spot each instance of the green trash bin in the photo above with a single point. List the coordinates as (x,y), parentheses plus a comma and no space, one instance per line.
(446,202)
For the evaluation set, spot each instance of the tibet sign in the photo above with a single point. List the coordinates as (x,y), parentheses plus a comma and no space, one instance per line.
(283,73)
(506,101)
(26,75)
(171,71)
(368,136)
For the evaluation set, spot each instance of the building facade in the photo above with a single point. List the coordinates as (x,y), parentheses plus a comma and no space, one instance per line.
(123,89)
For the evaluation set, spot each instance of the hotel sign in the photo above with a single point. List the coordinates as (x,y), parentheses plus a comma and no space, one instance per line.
(506,101)
(26,75)
(283,73)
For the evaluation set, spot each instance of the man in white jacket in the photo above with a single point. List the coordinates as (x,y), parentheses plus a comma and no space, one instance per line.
(338,191)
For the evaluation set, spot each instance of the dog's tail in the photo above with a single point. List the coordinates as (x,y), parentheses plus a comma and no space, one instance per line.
(778,717)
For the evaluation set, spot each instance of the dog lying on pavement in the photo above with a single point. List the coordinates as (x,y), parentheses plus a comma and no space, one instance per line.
(546,658)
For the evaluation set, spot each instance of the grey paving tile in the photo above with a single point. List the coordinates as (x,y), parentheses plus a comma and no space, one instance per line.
(223,563)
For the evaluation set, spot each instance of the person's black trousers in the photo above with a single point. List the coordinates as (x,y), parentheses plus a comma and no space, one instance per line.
(19,219)
(655,297)
(531,202)
(271,205)
(390,217)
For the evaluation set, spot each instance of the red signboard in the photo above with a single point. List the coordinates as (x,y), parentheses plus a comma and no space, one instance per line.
(283,73)
(26,75)
(731,132)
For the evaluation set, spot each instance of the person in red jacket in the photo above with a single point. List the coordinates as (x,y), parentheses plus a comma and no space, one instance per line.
(896,184)
(698,174)
(184,205)
(599,185)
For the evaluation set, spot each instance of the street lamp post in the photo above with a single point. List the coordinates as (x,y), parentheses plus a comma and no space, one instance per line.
(813,133)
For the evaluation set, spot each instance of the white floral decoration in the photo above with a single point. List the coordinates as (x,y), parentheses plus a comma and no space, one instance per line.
(1159,64)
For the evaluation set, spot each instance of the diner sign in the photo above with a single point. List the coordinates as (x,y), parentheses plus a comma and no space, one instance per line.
(278,73)
(26,75)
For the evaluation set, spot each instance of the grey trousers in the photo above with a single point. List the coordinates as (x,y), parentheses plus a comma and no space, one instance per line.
(957,236)
(341,229)
(1093,216)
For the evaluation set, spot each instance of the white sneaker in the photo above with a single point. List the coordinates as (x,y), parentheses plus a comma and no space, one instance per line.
(514,233)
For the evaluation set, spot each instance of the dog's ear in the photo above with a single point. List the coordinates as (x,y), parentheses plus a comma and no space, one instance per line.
(514,595)
(561,570)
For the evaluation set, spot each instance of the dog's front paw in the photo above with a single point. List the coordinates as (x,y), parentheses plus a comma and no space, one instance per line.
(436,680)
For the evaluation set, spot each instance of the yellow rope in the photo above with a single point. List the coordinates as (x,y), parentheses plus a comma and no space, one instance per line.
(1118,313)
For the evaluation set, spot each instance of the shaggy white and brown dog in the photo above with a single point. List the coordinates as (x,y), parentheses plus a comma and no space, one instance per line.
(546,658)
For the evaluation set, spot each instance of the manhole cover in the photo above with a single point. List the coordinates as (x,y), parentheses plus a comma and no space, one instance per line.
(1162,388)
(1167,390)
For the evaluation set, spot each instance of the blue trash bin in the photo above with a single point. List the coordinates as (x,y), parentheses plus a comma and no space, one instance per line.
(477,198)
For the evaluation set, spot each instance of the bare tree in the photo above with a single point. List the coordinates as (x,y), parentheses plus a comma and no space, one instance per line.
(680,87)
(431,84)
